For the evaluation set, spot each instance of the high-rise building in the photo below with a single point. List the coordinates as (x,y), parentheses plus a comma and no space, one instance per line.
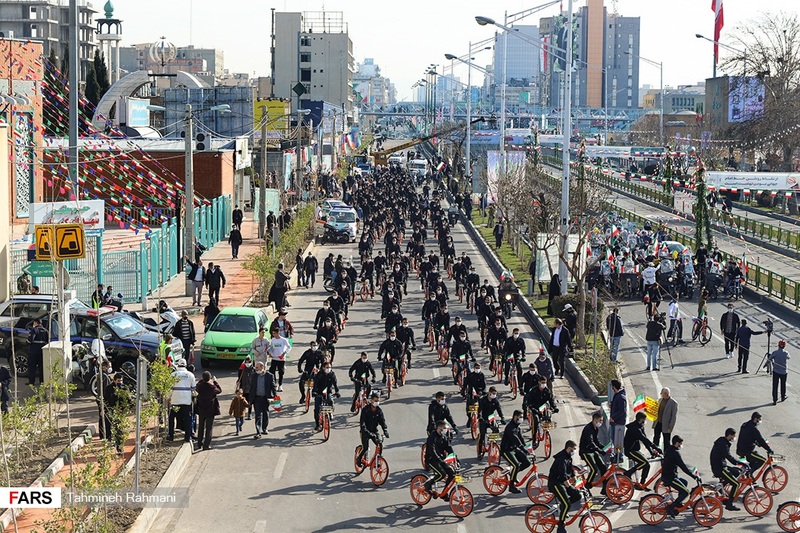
(313,51)
(522,59)
(48,21)
(372,88)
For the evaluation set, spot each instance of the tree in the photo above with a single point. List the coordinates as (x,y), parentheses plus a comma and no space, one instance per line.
(101,72)
(702,219)
(54,125)
(92,91)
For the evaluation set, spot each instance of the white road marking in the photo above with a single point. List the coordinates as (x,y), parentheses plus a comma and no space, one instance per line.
(461,528)
(653,374)
(261,527)
(436,373)
(280,465)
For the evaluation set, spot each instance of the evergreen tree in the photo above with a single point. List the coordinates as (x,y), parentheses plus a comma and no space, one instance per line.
(101,72)
(669,171)
(702,218)
(54,124)
(92,91)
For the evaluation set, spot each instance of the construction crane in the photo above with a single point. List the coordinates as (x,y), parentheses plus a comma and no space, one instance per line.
(382,157)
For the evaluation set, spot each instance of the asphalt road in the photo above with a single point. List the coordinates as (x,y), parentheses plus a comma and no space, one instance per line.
(260,486)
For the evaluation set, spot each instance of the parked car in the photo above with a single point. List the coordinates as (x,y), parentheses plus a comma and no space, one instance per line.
(231,334)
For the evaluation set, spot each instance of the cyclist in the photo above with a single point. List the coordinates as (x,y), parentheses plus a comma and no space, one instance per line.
(438,410)
(720,453)
(324,383)
(512,448)
(591,451)
(399,277)
(337,305)
(472,281)
(749,438)
(467,262)
(424,268)
(406,336)
(485,312)
(429,310)
(474,387)
(528,382)
(393,319)
(368,273)
(327,337)
(394,349)
(459,273)
(312,358)
(455,331)
(544,367)
(371,418)
(441,322)
(361,368)
(487,406)
(514,346)
(346,295)
(323,314)
(441,291)
(634,438)
(561,472)
(380,264)
(534,400)
(459,348)
(436,450)
(496,339)
(669,473)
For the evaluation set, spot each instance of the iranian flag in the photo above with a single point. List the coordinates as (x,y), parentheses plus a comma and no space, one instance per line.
(608,447)
(655,247)
(543,408)
(609,254)
(579,482)
(276,404)
(695,471)
(588,251)
(614,232)
(529,448)
(719,22)
(638,403)
(450,459)
(743,265)
(440,167)
(492,418)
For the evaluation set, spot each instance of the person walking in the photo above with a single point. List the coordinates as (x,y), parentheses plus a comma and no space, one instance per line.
(498,232)
(277,294)
(571,320)
(779,359)
(742,339)
(553,291)
(666,418)
(181,404)
(238,406)
(244,379)
(215,279)
(259,347)
(210,313)
(310,268)
(184,332)
(560,344)
(618,418)
(615,333)
(278,348)
(37,337)
(262,390)
(115,402)
(207,408)
(729,324)
(653,333)
(298,266)
(197,273)
(237,216)
(235,240)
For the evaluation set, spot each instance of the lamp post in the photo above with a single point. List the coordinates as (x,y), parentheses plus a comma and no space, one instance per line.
(660,66)
(300,114)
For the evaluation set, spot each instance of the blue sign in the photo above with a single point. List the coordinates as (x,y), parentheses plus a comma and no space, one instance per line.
(138,114)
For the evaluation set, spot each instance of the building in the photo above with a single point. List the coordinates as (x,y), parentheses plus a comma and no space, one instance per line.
(313,57)
(522,60)
(48,21)
(372,87)
(605,58)
(236,123)
(207,63)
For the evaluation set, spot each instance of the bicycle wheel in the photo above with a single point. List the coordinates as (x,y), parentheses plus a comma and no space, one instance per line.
(356,463)
(379,471)
(789,516)
(461,501)
(595,522)
(661,489)
(443,357)
(308,400)
(619,489)
(775,478)
(652,510)
(758,501)
(326,427)
(548,444)
(537,490)
(493,454)
(537,522)
(705,335)
(708,511)
(473,426)
(695,331)
(512,382)
(495,480)
(499,366)
(419,495)
(364,293)
(403,373)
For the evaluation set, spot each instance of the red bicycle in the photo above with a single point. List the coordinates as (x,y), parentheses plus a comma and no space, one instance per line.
(789,516)
(496,481)
(378,466)
(459,496)
(541,518)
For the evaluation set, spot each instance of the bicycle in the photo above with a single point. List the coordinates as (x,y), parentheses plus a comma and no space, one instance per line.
(489,445)
(444,352)
(365,291)
(788,516)
(460,370)
(459,496)
(378,466)
(701,330)
(328,284)
(363,394)
(543,431)
(325,413)
(496,481)
(473,418)
(390,383)
(659,487)
(706,507)
(541,518)
(309,387)
(735,289)
(512,376)
(403,369)
(618,486)
(430,335)
(774,478)
(757,500)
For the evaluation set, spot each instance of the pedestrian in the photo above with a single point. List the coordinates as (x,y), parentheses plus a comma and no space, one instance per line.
(215,279)
(618,418)
(271,221)
(553,291)
(743,335)
(666,418)
(238,216)
(197,273)
(571,320)
(116,401)
(282,325)
(498,234)
(675,323)
(277,293)
(278,348)
(5,385)
(779,359)
(37,337)
(262,390)
(259,347)
(243,381)
(207,408)
(238,405)
(654,329)
(298,266)
(184,332)
(198,249)
(181,404)
(729,324)
(235,240)
(97,297)
(310,268)
(615,333)
(560,344)
(210,313)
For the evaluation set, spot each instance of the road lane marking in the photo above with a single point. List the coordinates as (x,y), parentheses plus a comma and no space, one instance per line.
(261,527)
(280,465)
(653,373)
(436,373)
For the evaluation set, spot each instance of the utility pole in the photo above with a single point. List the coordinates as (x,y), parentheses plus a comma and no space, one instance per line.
(262,184)
(567,120)
(469,125)
(188,198)
(74,87)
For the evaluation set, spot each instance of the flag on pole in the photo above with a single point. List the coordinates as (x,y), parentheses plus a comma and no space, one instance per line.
(579,482)
(450,459)
(695,471)
(614,232)
(529,448)
(543,408)
(743,265)
(608,447)
(440,166)
(609,254)
(719,22)
(276,404)
(639,403)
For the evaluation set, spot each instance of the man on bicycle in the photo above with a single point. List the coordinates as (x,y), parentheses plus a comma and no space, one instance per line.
(325,313)
(429,311)
(406,336)
(325,385)
(392,348)
(634,438)
(337,305)
(472,281)
(496,339)
(669,473)
(393,320)
(460,348)
(371,418)
(534,400)
(487,406)
(436,450)
(359,374)
(438,410)
(720,454)
(455,331)
(368,273)
(441,323)
(749,438)
(591,451)
(512,448)
(558,482)
(312,358)
(514,346)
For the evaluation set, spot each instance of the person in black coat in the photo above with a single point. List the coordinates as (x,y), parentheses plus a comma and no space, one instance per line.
(235,240)
(560,344)
(277,294)
(215,279)
(207,408)
(571,320)
(498,232)
(743,335)
(5,384)
(729,325)
(554,290)
(310,268)
(238,216)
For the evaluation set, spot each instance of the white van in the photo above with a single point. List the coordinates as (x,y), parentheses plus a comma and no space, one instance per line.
(344,218)
(418,167)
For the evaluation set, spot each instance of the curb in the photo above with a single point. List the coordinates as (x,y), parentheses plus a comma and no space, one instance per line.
(148,516)
(49,473)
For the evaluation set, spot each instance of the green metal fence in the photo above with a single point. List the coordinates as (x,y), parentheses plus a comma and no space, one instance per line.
(273,202)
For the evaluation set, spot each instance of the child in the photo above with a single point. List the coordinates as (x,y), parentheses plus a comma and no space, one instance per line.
(238,405)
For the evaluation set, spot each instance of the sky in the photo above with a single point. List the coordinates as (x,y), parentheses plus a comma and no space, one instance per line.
(405,37)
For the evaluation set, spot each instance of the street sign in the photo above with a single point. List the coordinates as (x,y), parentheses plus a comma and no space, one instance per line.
(39,269)
(70,242)
(299,89)
(44,241)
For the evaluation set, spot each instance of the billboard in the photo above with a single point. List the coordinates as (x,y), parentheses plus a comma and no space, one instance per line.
(86,212)
(278,114)
(782,181)
(138,114)
(745,98)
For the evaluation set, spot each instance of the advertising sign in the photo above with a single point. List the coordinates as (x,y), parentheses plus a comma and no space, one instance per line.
(781,181)
(138,114)
(278,115)
(86,212)
(745,98)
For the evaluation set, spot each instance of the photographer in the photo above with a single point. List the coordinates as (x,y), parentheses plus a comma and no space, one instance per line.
(743,335)
(655,328)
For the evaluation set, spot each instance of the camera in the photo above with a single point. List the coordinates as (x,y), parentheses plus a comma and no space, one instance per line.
(768,325)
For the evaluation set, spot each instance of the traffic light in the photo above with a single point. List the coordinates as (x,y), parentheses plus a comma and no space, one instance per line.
(201,142)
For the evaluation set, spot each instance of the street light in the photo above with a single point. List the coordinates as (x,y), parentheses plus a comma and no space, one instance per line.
(300,114)
(727,47)
(660,66)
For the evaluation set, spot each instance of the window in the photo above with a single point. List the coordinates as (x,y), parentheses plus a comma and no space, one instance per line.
(305,57)
(305,41)
(305,74)
(34,30)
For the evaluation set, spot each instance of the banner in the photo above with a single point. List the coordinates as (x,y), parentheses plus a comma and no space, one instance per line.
(783,181)
(651,408)
(90,213)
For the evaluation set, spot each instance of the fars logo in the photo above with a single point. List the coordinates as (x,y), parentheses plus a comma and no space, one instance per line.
(31,498)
